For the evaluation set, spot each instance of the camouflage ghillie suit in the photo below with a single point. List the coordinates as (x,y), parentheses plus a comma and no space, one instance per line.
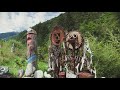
(55,51)
(74,42)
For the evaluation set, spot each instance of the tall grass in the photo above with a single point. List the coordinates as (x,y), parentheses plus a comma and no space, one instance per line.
(106,58)
(15,60)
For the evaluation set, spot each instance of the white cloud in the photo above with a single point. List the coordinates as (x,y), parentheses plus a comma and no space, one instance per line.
(17,21)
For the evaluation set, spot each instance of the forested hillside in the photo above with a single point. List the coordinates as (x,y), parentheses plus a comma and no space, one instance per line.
(7,35)
(102,29)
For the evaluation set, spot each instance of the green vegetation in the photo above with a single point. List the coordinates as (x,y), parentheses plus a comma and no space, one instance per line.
(102,29)
(15,60)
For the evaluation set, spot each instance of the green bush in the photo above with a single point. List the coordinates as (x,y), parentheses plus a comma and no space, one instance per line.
(106,58)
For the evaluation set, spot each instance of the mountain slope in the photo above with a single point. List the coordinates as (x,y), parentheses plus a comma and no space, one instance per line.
(7,35)
(102,29)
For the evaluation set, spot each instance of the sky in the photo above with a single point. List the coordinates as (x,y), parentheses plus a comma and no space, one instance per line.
(19,21)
